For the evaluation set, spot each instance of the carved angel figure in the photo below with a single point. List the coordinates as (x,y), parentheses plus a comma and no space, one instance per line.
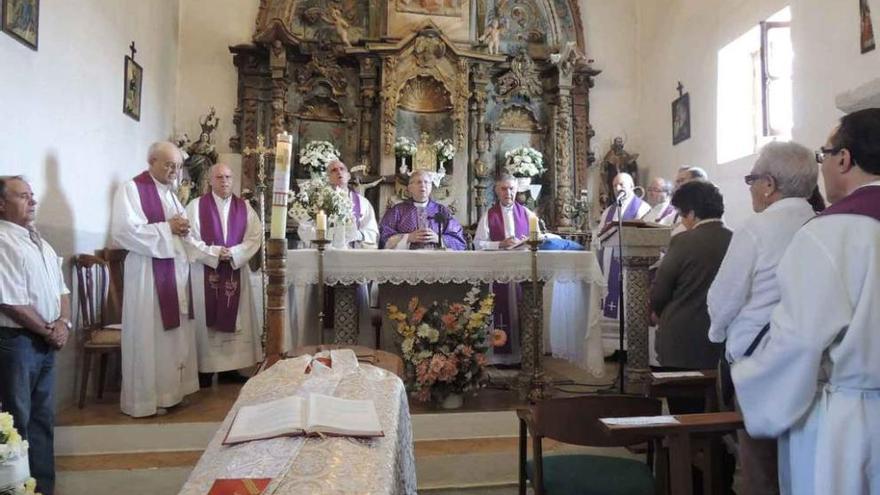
(492,37)
(335,18)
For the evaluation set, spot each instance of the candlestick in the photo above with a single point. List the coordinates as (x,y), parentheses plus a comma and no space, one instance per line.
(281,184)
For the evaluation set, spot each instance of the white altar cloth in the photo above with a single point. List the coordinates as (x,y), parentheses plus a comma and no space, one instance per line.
(572,295)
(331,465)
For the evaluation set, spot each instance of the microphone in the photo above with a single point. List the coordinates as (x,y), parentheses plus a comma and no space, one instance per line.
(621,195)
(443,222)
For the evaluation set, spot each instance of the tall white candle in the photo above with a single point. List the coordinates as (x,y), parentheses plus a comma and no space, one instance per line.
(321,224)
(533,228)
(280,186)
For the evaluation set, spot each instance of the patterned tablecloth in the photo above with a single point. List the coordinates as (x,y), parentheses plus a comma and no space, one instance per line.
(337,465)
(572,293)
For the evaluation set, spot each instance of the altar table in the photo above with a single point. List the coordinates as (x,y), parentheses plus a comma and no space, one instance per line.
(337,465)
(572,293)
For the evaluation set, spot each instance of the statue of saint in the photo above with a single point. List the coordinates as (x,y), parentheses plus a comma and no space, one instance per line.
(617,160)
(426,156)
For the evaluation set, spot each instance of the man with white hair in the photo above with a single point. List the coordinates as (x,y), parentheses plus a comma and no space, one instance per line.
(662,211)
(364,232)
(226,233)
(158,342)
(632,208)
(420,222)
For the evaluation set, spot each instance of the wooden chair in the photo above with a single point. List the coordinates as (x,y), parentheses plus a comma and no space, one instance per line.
(575,420)
(96,338)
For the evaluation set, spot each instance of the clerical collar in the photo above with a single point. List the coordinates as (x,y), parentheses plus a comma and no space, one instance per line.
(158,183)
(421,204)
(506,208)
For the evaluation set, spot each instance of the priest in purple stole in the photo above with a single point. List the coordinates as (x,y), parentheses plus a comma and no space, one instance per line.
(420,223)
(633,209)
(158,342)
(225,235)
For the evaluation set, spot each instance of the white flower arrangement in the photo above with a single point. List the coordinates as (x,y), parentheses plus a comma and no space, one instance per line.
(524,161)
(11,443)
(445,150)
(404,146)
(316,155)
(317,194)
(14,479)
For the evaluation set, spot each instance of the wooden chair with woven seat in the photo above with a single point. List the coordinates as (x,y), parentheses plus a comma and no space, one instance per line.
(575,420)
(96,338)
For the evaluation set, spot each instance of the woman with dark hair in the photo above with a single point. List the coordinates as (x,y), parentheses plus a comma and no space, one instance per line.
(678,295)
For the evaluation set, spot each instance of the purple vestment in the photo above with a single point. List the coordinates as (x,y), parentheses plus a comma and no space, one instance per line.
(863,201)
(222,313)
(501,312)
(403,218)
(163,268)
(610,307)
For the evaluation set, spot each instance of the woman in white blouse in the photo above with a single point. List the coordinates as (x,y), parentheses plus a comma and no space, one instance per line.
(745,291)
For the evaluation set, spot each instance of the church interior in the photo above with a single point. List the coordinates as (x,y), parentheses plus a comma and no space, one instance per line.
(457,89)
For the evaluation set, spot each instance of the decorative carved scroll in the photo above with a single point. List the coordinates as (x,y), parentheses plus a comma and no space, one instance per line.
(521,80)
(517,118)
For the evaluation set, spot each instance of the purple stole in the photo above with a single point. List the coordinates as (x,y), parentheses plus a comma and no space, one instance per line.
(863,201)
(501,312)
(356,201)
(610,307)
(219,314)
(668,211)
(163,268)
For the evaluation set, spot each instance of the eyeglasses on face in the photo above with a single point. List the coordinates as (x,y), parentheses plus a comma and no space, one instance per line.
(751,178)
(823,153)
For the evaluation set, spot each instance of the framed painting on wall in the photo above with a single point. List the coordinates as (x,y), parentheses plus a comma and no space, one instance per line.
(131,95)
(21,20)
(867,28)
(681,118)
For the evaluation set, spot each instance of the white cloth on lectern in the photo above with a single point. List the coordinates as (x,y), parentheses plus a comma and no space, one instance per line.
(158,365)
(224,351)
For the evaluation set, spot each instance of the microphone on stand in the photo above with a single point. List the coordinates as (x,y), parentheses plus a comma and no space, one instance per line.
(621,195)
(443,222)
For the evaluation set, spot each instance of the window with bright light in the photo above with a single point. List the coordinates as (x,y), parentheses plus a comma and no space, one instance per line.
(754,88)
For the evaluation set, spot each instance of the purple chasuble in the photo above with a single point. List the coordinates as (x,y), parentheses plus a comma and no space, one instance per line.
(163,268)
(403,218)
(501,313)
(610,307)
(221,313)
(863,201)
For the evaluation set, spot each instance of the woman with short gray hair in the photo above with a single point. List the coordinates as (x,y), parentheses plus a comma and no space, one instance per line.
(745,291)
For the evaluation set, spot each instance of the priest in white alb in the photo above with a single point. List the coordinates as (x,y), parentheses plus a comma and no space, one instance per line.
(226,233)
(158,342)
(814,379)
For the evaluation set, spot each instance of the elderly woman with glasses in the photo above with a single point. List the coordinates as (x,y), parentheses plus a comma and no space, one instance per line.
(745,291)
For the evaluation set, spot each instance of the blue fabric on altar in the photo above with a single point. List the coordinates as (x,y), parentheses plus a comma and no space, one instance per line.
(559,244)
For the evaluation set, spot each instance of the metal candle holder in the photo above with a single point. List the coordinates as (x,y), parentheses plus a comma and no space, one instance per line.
(321,242)
(536,384)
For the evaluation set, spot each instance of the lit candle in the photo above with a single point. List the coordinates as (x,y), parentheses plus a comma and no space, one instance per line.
(281,184)
(321,224)
(533,228)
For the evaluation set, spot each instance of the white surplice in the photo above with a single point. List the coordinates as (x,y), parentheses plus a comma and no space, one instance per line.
(158,365)
(224,351)
(656,211)
(815,380)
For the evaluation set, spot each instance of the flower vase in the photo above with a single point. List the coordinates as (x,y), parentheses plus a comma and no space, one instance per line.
(337,237)
(452,401)
(523,183)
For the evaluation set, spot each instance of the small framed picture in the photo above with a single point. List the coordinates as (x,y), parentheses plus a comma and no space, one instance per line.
(21,20)
(867,28)
(681,118)
(131,96)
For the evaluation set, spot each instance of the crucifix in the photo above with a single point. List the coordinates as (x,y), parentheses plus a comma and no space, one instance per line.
(133,49)
(680,89)
(261,151)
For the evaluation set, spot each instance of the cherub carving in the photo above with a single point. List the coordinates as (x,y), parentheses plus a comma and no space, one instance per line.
(335,18)
(492,37)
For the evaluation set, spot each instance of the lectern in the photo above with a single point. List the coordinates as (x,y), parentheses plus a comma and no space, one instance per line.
(641,248)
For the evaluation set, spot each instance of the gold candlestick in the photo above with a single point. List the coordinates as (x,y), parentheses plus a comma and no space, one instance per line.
(321,243)
(536,384)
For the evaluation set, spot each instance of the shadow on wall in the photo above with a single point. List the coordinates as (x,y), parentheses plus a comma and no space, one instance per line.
(55,217)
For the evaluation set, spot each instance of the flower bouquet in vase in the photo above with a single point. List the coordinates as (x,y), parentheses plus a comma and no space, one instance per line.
(315,156)
(14,469)
(444,346)
(317,195)
(404,151)
(524,163)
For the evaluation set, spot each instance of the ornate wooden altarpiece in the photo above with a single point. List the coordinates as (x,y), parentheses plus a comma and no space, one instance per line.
(488,74)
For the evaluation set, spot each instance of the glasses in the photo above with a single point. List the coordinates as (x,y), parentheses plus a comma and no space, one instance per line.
(751,178)
(823,153)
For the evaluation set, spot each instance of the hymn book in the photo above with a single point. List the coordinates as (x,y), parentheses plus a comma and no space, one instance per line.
(295,415)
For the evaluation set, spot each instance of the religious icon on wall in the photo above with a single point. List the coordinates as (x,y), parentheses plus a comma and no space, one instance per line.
(867,28)
(431,7)
(134,78)
(681,118)
(21,20)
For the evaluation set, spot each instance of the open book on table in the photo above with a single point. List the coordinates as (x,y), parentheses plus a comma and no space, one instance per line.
(316,415)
